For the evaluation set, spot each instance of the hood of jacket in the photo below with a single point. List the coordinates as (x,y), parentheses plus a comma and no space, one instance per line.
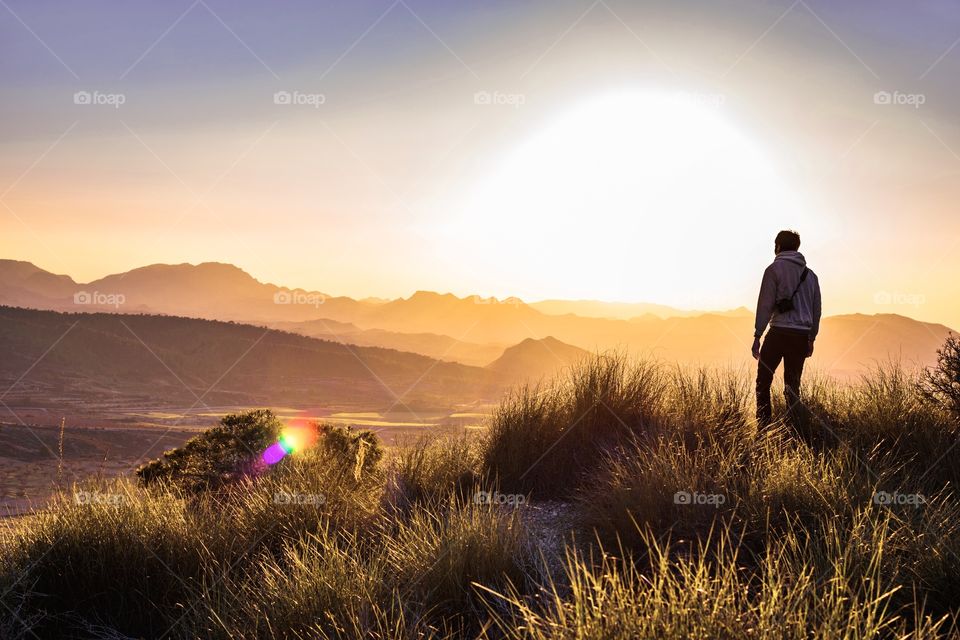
(791,256)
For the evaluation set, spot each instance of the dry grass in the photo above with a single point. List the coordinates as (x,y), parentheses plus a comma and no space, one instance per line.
(782,535)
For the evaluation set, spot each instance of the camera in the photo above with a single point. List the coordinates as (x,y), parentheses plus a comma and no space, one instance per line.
(784,305)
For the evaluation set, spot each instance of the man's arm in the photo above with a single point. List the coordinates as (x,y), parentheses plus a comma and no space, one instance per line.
(765,302)
(765,305)
(817,310)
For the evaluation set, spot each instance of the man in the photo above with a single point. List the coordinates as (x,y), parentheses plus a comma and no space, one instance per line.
(790,302)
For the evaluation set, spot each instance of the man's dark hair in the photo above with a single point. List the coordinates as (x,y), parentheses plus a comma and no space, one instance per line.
(788,240)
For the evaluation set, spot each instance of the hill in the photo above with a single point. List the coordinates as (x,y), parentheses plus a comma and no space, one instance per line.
(99,359)
(433,345)
(536,359)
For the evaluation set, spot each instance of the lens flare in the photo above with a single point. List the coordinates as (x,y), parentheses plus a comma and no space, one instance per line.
(295,437)
(274,454)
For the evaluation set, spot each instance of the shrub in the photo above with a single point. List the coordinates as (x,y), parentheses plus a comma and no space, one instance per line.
(356,452)
(941,384)
(220,455)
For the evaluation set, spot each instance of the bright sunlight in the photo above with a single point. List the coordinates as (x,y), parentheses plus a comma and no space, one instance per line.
(585,201)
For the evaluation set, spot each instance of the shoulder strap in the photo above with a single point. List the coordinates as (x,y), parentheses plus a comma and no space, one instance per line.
(803,276)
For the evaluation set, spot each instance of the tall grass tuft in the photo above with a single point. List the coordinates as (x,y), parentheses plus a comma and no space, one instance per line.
(543,440)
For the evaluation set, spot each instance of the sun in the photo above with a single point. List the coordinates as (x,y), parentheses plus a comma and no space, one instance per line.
(629,195)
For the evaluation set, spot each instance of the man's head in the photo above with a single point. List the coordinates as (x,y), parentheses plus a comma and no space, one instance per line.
(786,241)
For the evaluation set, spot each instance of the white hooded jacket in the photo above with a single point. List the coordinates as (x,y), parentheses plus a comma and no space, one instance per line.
(779,281)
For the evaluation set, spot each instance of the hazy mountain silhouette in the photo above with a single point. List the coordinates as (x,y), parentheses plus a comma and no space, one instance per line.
(209,290)
(470,329)
(23,284)
(536,359)
(622,310)
(433,345)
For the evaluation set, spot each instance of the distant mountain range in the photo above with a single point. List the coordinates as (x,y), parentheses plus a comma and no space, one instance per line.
(209,290)
(469,330)
(623,310)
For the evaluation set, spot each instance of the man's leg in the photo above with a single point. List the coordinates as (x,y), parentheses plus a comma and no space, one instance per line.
(770,355)
(794,355)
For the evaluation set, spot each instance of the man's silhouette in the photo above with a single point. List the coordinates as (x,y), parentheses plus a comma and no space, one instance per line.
(790,302)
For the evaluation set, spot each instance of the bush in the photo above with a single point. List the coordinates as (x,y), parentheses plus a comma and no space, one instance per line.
(941,384)
(356,452)
(219,456)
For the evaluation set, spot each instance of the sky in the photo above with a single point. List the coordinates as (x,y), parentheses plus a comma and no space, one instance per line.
(544,149)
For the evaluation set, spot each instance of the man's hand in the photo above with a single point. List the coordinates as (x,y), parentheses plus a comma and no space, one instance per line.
(809,348)
(756,348)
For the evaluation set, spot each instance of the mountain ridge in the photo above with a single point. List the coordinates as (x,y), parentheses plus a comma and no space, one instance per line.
(171,361)
(472,329)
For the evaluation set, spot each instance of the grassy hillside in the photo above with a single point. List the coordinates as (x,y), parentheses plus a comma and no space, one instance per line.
(625,500)
(145,360)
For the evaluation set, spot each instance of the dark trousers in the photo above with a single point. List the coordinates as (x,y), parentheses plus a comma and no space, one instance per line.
(790,346)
